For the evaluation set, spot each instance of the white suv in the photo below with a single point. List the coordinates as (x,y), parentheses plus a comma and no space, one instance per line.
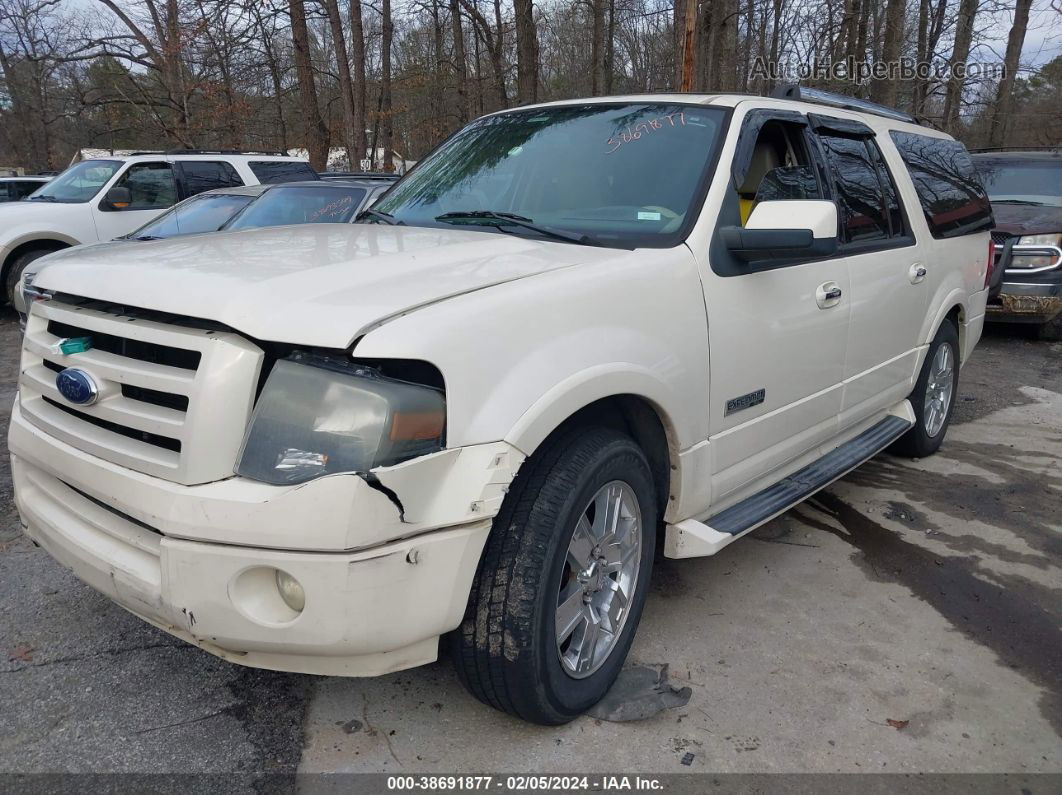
(574,331)
(102,199)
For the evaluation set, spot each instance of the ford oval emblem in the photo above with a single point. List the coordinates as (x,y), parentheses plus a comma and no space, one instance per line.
(77,386)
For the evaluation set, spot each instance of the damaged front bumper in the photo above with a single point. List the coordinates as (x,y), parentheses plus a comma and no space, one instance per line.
(385,571)
(1021,302)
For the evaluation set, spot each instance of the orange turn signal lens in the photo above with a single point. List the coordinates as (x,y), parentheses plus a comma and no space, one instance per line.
(417,426)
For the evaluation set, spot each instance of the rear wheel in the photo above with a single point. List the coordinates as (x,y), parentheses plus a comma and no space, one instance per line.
(563,579)
(933,398)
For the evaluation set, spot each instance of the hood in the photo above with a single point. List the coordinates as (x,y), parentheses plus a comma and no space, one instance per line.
(22,211)
(1021,219)
(314,284)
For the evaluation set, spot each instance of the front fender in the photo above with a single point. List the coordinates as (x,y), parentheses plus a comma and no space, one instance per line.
(519,358)
(19,237)
(583,388)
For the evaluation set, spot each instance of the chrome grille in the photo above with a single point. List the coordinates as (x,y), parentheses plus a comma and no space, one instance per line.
(174,400)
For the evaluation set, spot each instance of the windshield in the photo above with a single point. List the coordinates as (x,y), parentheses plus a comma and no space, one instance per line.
(309,204)
(623,175)
(1037,182)
(79,183)
(206,212)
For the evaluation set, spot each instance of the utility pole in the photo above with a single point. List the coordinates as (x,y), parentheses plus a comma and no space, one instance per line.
(687,46)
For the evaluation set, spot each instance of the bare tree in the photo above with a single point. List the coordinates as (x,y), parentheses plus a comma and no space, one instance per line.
(1005,91)
(346,88)
(357,52)
(315,130)
(527,52)
(386,105)
(964,25)
(885,91)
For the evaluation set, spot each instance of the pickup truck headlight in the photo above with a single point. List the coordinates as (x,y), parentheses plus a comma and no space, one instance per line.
(1036,252)
(318,415)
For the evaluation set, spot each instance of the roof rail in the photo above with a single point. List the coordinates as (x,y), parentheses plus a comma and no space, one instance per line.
(145,152)
(227,152)
(1056,148)
(820,97)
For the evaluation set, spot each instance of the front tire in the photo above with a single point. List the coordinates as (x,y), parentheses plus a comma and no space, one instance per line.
(563,579)
(933,398)
(14,272)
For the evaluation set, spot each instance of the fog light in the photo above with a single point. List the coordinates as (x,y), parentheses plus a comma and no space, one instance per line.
(290,591)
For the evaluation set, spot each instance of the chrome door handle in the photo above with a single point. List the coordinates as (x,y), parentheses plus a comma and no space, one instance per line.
(917,273)
(828,294)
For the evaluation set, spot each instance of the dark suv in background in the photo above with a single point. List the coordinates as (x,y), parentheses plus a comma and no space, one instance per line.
(1025,188)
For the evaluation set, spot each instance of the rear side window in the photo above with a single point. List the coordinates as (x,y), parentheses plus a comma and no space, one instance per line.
(269,171)
(866,195)
(201,175)
(950,191)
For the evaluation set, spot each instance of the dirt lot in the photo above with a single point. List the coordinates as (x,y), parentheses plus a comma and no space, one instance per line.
(927,594)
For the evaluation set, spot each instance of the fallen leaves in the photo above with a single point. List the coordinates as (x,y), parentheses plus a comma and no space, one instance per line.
(897,724)
(23,653)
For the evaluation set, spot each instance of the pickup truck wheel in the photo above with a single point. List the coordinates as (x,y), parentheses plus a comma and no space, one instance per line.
(14,272)
(562,581)
(933,398)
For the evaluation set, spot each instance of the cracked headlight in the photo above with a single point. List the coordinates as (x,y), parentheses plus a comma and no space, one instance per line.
(318,415)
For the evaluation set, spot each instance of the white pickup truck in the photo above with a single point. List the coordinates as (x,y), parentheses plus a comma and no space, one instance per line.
(574,333)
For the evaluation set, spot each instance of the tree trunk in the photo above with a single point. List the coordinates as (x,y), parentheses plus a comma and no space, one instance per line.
(921,85)
(964,24)
(346,89)
(1005,92)
(610,40)
(689,45)
(598,8)
(357,52)
(313,125)
(885,91)
(385,89)
(526,52)
(460,62)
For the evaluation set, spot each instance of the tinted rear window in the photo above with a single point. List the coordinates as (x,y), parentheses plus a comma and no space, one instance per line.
(269,171)
(201,175)
(950,191)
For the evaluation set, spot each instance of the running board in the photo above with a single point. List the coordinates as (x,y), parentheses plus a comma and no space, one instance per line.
(692,539)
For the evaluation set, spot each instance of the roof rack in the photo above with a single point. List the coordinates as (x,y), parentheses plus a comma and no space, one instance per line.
(820,97)
(1056,148)
(226,152)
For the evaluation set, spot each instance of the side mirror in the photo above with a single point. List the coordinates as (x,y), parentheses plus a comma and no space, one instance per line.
(118,198)
(780,230)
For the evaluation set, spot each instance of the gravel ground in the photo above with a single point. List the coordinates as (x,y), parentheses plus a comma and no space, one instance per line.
(923,593)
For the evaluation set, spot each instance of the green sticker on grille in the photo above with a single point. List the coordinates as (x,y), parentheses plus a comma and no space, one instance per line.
(74,345)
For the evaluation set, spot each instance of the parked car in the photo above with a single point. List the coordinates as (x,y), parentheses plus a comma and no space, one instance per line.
(245,207)
(13,189)
(1025,188)
(97,200)
(573,328)
(326,201)
(205,212)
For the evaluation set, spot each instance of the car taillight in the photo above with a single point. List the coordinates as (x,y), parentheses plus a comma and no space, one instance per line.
(991,261)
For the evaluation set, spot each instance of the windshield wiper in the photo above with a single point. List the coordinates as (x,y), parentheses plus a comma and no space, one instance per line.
(146,237)
(387,218)
(1017,201)
(41,199)
(512,219)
